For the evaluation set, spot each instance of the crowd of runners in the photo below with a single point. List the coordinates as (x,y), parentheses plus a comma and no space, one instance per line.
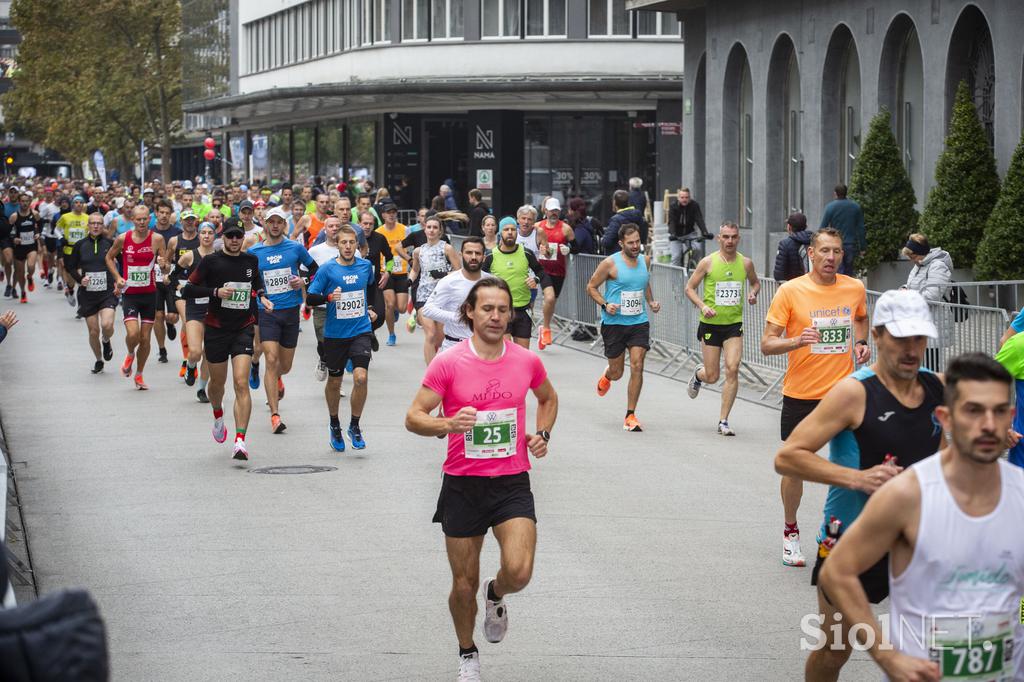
(926,508)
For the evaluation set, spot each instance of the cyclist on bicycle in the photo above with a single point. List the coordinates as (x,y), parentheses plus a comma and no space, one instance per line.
(686,220)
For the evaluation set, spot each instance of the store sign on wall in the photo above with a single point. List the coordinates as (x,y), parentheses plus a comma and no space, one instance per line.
(665,127)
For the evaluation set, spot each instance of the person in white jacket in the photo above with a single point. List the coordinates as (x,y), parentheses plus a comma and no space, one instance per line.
(931,276)
(445,302)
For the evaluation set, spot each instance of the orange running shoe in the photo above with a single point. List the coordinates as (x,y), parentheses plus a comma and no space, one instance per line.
(24,297)
(603,384)
(631,424)
(32,284)
(545,337)
(276,425)
(306,312)
(181,372)
(126,366)
(140,384)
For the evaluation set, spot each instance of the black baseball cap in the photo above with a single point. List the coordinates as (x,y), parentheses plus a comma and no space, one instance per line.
(233,226)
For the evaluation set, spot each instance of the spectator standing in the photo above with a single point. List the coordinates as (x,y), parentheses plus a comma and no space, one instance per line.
(931,276)
(846,216)
(791,258)
(685,218)
(447,192)
(584,226)
(477,212)
(624,213)
(637,195)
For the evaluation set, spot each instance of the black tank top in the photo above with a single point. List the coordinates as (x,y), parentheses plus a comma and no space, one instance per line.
(184,245)
(891,428)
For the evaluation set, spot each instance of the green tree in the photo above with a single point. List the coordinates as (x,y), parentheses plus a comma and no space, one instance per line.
(882,188)
(111,80)
(966,186)
(1001,253)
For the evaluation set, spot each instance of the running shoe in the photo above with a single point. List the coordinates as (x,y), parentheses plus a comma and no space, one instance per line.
(725,429)
(190,375)
(306,313)
(631,424)
(396,314)
(184,365)
(126,366)
(172,332)
(410,307)
(24,296)
(69,296)
(280,389)
(374,343)
(9,291)
(32,284)
(140,384)
(60,285)
(495,616)
(220,431)
(162,356)
(46,283)
(276,425)
(201,396)
(544,337)
(410,324)
(603,383)
(469,668)
(108,351)
(356,436)
(254,376)
(337,440)
(239,451)
(392,340)
(348,366)
(320,371)
(693,386)
(791,554)
(97,367)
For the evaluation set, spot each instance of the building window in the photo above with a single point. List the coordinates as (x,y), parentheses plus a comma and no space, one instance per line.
(657,25)
(415,19)
(381,24)
(545,17)
(331,152)
(850,108)
(746,138)
(609,18)
(794,156)
(500,18)
(447,19)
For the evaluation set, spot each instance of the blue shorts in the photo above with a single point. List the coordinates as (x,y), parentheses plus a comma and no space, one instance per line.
(281,326)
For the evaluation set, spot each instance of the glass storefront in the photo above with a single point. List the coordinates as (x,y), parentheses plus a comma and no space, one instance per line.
(331,149)
(304,157)
(586,156)
(362,149)
(280,157)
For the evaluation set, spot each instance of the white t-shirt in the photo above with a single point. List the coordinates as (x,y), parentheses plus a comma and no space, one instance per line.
(444,303)
(323,252)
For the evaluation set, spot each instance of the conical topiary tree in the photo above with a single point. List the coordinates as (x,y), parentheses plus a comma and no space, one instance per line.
(1001,253)
(966,186)
(882,188)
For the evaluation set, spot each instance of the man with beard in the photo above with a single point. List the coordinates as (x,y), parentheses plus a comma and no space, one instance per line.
(445,302)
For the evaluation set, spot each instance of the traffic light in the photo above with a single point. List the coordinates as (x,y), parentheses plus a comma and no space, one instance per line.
(9,158)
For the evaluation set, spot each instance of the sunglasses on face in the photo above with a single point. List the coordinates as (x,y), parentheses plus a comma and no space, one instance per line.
(234,236)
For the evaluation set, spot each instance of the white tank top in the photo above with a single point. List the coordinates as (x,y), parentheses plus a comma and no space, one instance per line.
(529,242)
(963,566)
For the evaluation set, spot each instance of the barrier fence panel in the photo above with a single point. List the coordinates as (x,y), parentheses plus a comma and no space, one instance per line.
(1007,295)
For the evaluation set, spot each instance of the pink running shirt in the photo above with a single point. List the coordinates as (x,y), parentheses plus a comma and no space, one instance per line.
(497,389)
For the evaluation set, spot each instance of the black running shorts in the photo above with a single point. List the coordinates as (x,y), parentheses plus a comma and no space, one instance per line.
(398,283)
(793,412)
(716,334)
(220,344)
(618,337)
(337,353)
(521,324)
(875,580)
(139,307)
(469,505)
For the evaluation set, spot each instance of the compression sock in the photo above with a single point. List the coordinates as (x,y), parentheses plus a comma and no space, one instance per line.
(202,384)
(240,434)
(218,413)
(335,422)
(468,652)
(491,596)
(354,422)
(790,528)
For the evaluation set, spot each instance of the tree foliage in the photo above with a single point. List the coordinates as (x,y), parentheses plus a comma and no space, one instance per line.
(104,74)
(1001,253)
(882,188)
(966,186)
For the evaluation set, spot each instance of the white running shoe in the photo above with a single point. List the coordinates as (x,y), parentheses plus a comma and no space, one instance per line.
(791,554)
(693,386)
(469,668)
(495,617)
(320,373)
(220,431)
(240,451)
(725,429)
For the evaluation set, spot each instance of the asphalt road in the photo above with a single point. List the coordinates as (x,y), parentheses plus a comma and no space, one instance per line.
(658,556)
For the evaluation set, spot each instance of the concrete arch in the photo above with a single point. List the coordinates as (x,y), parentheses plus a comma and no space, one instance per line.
(784,181)
(972,58)
(901,90)
(737,124)
(841,110)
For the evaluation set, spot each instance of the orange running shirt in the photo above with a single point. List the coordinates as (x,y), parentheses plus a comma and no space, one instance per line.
(832,310)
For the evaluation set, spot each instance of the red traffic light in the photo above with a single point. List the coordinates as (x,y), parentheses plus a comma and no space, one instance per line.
(209,143)
(209,154)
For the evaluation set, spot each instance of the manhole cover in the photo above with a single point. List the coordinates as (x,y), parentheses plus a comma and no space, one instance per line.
(299,469)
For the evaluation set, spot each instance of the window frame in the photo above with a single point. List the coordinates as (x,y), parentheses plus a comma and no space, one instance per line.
(545,21)
(502,34)
(610,23)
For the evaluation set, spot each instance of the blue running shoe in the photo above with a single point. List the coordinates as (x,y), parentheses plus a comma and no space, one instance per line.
(337,440)
(392,339)
(348,367)
(356,436)
(254,376)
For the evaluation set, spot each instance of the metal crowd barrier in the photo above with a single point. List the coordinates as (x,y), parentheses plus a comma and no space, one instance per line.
(1007,295)
(674,343)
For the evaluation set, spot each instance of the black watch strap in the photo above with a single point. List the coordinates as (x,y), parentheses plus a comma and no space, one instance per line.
(546,435)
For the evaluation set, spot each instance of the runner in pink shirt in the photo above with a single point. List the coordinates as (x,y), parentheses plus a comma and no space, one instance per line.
(482,382)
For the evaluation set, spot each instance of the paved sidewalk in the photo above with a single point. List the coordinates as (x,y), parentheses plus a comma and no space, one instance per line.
(658,557)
